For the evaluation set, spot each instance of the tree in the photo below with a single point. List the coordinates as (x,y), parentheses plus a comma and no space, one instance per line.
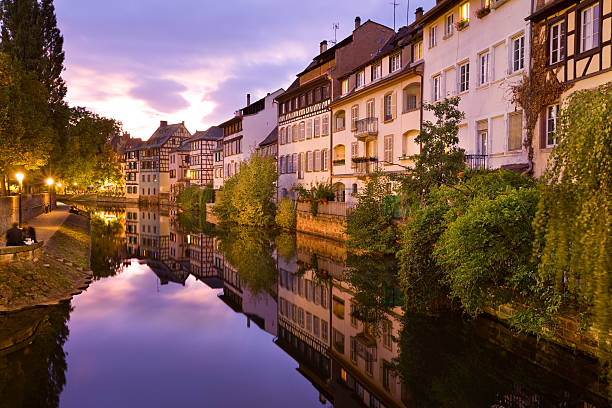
(574,217)
(30,34)
(25,134)
(286,217)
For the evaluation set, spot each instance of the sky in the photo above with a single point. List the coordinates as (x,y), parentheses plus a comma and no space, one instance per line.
(142,61)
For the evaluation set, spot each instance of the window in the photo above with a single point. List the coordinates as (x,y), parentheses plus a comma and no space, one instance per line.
(589,28)
(283,138)
(317,127)
(317,160)
(338,341)
(289,134)
(388,107)
(411,97)
(515,131)
(417,51)
(325,126)
(309,129)
(345,86)
(388,149)
(309,161)
(518,53)
(294,163)
(325,159)
(376,71)
(484,69)
(437,88)
(433,36)
(557,41)
(308,321)
(386,334)
(353,350)
(360,79)
(464,12)
(316,326)
(302,129)
(340,116)
(353,315)
(551,124)
(395,62)
(464,77)
(354,116)
(449,25)
(386,375)
(370,111)
(282,165)
(324,330)
(295,133)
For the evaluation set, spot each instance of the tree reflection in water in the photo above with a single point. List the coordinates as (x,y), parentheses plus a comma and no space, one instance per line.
(107,246)
(32,359)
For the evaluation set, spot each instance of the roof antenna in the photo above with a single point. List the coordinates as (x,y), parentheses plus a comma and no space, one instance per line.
(408,14)
(335,27)
(394,4)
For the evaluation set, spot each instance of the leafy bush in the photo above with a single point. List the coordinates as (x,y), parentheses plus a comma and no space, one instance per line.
(246,198)
(286,217)
(193,198)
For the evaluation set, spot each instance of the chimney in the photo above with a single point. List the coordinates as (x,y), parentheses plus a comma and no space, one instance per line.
(323,47)
(163,123)
(357,22)
(418,14)
(248,99)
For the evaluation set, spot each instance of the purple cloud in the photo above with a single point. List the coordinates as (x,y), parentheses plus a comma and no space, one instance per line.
(162,95)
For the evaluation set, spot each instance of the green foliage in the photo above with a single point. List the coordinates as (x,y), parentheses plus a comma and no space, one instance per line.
(486,252)
(194,198)
(25,134)
(286,217)
(246,198)
(439,160)
(319,193)
(369,227)
(106,242)
(286,245)
(574,216)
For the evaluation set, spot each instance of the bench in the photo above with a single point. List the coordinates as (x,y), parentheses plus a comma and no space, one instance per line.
(21,253)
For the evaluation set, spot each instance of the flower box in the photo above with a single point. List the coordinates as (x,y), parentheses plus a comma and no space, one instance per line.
(482,12)
(363,159)
(461,24)
(339,162)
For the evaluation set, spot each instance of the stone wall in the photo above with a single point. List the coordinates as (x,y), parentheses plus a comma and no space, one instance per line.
(328,226)
(32,205)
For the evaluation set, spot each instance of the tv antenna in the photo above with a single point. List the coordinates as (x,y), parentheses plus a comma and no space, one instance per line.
(335,27)
(408,14)
(394,4)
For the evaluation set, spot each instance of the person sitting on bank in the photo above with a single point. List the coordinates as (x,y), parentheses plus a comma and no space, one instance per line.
(29,232)
(14,236)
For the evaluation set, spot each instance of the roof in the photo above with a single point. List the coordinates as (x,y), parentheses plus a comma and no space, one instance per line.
(550,8)
(326,55)
(183,147)
(133,144)
(162,135)
(212,133)
(271,139)
(437,10)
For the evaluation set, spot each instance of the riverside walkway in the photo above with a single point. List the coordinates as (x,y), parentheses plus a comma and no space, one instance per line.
(47,224)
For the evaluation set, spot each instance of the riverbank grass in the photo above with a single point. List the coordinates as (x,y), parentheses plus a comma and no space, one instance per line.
(59,273)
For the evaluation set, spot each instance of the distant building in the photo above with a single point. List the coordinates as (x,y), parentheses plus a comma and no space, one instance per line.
(249,127)
(269,146)
(131,170)
(218,165)
(154,184)
(179,169)
(201,160)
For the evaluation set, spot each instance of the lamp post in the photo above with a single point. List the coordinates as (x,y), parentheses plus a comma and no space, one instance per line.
(19,176)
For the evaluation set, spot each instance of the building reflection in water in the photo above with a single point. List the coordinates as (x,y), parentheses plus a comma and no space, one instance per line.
(344,325)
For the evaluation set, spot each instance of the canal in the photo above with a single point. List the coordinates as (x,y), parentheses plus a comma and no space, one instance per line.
(183,313)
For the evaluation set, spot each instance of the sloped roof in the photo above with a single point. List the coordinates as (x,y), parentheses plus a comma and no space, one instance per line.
(183,147)
(162,135)
(271,139)
(212,133)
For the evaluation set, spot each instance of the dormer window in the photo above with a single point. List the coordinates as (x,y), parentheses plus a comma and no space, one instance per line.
(417,51)
(344,86)
(360,78)
(395,62)
(376,71)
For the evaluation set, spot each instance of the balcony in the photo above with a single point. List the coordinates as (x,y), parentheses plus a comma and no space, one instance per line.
(364,165)
(366,129)
(476,161)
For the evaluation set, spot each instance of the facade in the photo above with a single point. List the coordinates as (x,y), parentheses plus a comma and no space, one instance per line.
(269,146)
(218,165)
(377,118)
(577,37)
(132,173)
(201,146)
(179,170)
(304,115)
(476,50)
(243,133)
(154,183)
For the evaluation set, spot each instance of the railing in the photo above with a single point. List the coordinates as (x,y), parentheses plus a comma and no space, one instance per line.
(365,167)
(366,127)
(337,208)
(476,161)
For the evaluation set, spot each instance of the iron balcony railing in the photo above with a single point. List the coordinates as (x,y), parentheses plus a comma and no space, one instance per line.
(365,167)
(367,127)
(476,161)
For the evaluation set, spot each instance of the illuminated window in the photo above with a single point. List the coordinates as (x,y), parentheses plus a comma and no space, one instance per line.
(464,12)
(345,87)
(417,51)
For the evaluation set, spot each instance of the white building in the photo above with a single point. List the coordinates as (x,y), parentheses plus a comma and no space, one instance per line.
(476,49)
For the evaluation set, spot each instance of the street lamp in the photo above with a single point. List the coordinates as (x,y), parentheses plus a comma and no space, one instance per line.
(19,176)
(49,182)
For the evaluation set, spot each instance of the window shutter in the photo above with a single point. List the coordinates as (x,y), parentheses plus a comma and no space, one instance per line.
(543,128)
(382,109)
(394,105)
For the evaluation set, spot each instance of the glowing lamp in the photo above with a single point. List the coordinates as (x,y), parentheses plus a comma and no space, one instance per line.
(19,176)
(49,181)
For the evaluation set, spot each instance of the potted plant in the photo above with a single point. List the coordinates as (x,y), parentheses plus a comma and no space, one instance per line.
(481,12)
(461,24)
(338,162)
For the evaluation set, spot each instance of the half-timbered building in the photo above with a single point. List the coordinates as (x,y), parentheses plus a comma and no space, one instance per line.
(201,146)
(577,36)
(179,170)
